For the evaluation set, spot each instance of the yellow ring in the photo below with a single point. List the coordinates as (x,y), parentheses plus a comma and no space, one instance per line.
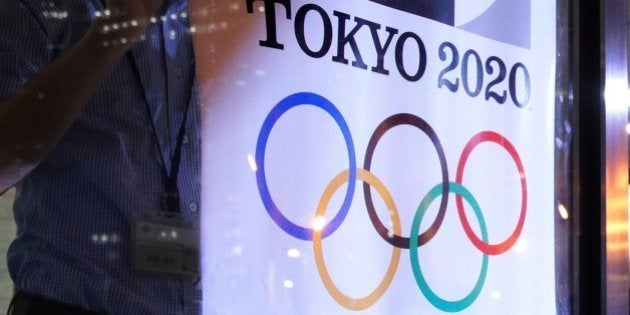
(340,297)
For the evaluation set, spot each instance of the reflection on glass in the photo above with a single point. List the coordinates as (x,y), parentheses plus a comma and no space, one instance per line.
(562,210)
(288,284)
(252,162)
(293,253)
(319,223)
(496,294)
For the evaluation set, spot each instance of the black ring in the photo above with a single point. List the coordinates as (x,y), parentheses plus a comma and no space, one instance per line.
(388,123)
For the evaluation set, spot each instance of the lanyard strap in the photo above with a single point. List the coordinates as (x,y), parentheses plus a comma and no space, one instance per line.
(171,188)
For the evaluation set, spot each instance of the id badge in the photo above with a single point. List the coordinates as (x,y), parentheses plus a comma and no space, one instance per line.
(161,243)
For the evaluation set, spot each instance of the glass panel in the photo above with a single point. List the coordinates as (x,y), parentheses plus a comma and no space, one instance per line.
(359,155)
(565,216)
(92,96)
(616,98)
(386,157)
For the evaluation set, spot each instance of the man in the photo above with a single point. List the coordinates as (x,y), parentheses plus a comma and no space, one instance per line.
(98,127)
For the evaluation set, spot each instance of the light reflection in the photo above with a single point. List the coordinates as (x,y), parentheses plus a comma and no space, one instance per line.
(620,246)
(59,15)
(564,214)
(616,228)
(293,253)
(521,245)
(319,223)
(105,238)
(237,250)
(496,294)
(252,163)
(113,27)
(616,93)
(288,284)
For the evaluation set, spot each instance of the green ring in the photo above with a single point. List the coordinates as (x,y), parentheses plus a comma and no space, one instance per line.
(444,305)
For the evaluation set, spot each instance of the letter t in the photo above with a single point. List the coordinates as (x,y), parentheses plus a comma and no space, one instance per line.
(270,20)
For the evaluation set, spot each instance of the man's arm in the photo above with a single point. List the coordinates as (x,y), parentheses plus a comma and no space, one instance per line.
(35,118)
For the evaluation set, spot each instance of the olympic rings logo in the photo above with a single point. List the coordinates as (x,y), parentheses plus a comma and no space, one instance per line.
(394,237)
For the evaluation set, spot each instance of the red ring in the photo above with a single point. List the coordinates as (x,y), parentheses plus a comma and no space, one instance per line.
(491,249)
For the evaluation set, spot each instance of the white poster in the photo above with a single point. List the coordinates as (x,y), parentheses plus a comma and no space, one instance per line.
(377,156)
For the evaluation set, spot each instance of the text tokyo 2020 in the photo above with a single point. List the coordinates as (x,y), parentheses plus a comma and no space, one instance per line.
(472,74)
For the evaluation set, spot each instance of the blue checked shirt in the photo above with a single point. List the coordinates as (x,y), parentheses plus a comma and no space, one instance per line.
(74,210)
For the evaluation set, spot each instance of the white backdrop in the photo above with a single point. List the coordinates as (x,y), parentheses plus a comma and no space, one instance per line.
(279,123)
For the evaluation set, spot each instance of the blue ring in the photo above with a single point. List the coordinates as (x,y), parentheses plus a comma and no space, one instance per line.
(294,100)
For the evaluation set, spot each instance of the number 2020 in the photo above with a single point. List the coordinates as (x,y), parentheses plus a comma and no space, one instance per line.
(473,86)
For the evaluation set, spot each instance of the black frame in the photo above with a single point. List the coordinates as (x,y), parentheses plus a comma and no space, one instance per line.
(600,186)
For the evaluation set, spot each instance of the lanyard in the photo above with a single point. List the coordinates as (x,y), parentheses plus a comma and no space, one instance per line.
(171,202)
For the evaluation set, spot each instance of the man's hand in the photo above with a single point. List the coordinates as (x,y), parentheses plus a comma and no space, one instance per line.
(127,18)
(35,118)
(133,9)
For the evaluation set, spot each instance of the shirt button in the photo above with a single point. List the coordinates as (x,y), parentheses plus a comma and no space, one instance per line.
(185,139)
(193,207)
(178,72)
